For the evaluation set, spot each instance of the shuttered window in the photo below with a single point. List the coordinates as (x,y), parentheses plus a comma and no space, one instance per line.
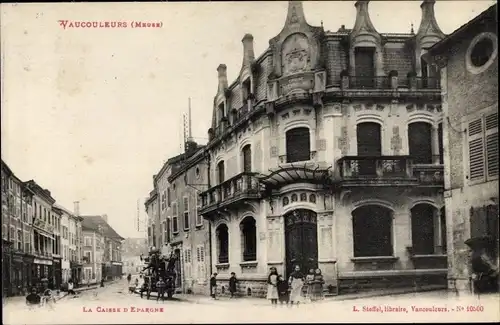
(175,219)
(491,122)
(483,147)
(200,258)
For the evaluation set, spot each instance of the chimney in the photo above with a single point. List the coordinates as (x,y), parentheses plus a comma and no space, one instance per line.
(248,53)
(76,207)
(428,24)
(222,72)
(105,217)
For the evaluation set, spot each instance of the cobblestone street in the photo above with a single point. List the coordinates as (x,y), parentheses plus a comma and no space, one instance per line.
(89,307)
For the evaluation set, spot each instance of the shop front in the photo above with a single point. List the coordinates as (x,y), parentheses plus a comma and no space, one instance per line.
(116,270)
(6,267)
(43,268)
(28,261)
(57,273)
(17,280)
(76,273)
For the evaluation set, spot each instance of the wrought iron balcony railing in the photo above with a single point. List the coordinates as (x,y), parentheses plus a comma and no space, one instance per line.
(388,170)
(362,82)
(427,83)
(241,186)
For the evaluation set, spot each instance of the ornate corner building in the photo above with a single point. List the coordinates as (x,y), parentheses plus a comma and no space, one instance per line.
(326,152)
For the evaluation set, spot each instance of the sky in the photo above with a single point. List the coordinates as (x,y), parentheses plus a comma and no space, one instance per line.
(92,114)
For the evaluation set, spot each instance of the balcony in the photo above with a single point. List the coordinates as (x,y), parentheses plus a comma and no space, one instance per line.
(387,171)
(358,82)
(243,186)
(390,86)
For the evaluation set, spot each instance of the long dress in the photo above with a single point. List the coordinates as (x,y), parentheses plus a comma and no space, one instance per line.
(272,287)
(317,287)
(296,284)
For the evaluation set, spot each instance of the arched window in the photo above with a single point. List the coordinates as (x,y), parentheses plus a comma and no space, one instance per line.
(246,152)
(223,243)
(369,140)
(298,146)
(422,229)
(372,231)
(220,172)
(420,142)
(249,239)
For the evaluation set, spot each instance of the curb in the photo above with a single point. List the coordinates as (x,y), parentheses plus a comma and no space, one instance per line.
(325,300)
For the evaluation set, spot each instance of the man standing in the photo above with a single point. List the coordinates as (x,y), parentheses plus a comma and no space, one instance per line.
(213,286)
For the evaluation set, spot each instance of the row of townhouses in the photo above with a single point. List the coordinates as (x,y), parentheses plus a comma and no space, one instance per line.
(41,239)
(371,156)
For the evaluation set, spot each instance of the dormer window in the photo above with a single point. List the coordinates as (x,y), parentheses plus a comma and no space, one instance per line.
(221,112)
(247,90)
(364,58)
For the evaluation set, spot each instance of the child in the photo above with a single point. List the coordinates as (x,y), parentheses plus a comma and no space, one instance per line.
(309,285)
(272,286)
(232,284)
(33,299)
(283,293)
(213,286)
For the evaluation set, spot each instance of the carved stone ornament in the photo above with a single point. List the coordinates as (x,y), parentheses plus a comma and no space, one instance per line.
(295,54)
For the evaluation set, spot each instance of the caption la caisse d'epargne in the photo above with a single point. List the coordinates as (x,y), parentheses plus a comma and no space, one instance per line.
(78,24)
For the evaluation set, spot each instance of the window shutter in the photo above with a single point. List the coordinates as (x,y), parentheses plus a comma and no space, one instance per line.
(491,145)
(476,150)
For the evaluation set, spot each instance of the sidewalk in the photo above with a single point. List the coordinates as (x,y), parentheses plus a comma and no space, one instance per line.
(21,300)
(201,299)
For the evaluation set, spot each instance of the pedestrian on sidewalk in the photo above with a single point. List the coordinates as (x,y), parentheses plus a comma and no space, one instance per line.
(296,282)
(232,284)
(317,286)
(272,286)
(71,291)
(213,286)
(309,285)
(129,278)
(283,290)
(160,286)
(102,283)
(33,299)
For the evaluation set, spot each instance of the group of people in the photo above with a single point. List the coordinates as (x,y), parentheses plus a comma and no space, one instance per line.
(294,290)
(298,288)
(41,295)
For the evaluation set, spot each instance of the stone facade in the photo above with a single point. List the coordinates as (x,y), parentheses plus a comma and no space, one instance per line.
(470,106)
(305,143)
(173,205)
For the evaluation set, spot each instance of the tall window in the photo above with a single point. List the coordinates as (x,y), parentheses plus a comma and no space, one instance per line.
(483,148)
(186,212)
(19,240)
(422,229)
(364,67)
(163,200)
(420,142)
(223,243)
(247,158)
(372,231)
(298,145)
(249,239)
(440,143)
(369,141)
(200,258)
(199,217)
(168,197)
(220,172)
(175,219)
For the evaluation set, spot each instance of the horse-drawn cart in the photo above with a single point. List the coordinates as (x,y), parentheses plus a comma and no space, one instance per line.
(159,267)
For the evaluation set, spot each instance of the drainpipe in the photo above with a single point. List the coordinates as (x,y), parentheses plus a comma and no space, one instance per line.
(209,222)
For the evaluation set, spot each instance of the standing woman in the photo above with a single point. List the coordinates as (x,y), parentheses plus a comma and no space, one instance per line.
(272,286)
(317,291)
(296,282)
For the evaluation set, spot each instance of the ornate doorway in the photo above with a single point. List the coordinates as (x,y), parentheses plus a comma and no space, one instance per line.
(301,242)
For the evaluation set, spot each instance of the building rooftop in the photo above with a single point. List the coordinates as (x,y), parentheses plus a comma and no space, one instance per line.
(93,222)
